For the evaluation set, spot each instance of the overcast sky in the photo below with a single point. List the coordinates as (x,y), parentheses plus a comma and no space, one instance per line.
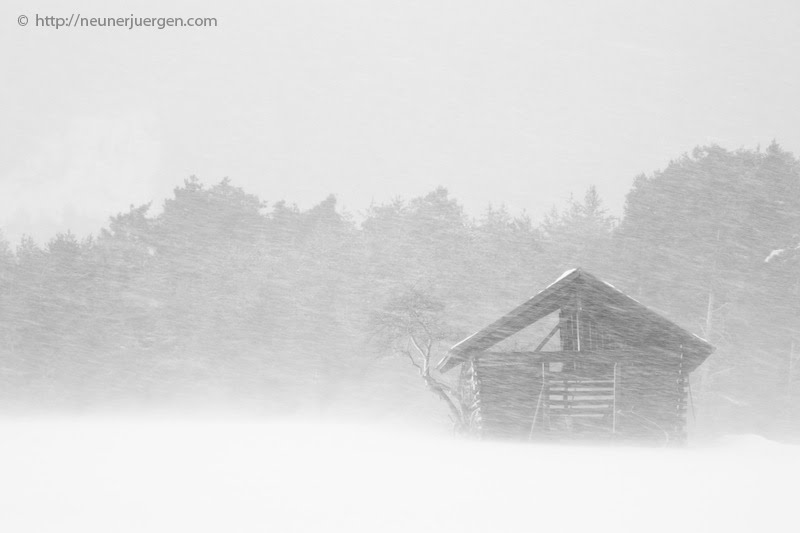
(503,102)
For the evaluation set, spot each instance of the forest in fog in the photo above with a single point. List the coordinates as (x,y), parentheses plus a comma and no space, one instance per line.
(228,297)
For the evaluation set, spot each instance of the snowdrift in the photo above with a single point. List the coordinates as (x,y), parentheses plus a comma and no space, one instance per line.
(166,474)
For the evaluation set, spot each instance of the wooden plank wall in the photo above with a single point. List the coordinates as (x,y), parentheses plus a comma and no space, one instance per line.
(509,392)
(640,399)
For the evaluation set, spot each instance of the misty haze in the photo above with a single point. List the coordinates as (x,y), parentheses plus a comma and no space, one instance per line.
(400,267)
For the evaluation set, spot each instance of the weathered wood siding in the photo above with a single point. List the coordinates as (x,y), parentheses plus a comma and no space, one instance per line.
(622,396)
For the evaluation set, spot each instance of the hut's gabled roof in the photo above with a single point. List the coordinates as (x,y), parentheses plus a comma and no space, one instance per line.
(639,326)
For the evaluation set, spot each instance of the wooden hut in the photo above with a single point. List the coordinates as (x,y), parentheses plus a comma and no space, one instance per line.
(621,370)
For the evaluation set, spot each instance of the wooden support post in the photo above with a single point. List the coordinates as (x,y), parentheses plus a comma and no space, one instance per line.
(538,405)
(578,313)
(680,423)
(791,372)
(614,404)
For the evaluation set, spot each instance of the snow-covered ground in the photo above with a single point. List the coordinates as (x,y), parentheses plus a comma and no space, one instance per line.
(169,474)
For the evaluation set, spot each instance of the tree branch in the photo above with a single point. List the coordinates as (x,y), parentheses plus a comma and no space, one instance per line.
(439,389)
(416,345)
(411,358)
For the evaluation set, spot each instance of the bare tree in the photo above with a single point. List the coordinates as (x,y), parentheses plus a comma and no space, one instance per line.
(412,324)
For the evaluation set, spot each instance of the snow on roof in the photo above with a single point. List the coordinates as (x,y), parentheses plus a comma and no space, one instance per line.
(622,293)
(564,275)
(650,308)
(624,308)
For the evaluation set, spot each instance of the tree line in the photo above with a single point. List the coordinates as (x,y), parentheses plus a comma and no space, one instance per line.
(224,293)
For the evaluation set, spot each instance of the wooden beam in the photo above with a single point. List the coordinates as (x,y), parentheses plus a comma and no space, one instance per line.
(546,339)
(597,356)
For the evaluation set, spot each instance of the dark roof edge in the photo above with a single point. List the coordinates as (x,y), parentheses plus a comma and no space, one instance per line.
(455,354)
(471,344)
